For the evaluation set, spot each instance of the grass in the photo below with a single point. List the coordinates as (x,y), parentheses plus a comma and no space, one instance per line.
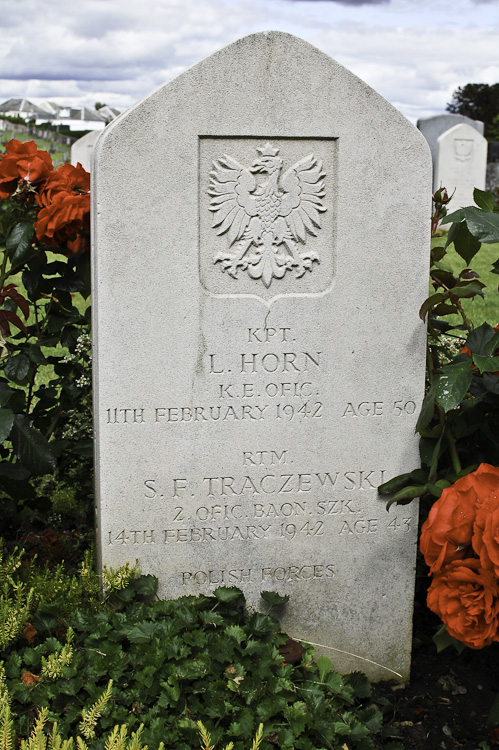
(60,153)
(478,310)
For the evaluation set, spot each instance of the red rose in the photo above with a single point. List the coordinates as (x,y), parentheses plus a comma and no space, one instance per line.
(22,162)
(65,217)
(447,532)
(464,596)
(486,528)
(65,179)
(64,199)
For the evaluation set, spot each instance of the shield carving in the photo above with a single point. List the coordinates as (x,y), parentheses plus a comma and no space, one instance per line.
(463,148)
(266,216)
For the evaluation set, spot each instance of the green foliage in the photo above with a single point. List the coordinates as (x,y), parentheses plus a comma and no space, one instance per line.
(45,385)
(459,420)
(480,101)
(40,597)
(172,665)
(118,739)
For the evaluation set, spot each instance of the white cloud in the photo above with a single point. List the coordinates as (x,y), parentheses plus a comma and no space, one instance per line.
(414,52)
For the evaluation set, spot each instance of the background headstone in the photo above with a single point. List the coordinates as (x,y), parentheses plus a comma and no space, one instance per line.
(461,164)
(261,250)
(81,150)
(433,127)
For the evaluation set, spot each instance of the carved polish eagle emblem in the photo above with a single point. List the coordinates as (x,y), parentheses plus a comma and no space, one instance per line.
(266,216)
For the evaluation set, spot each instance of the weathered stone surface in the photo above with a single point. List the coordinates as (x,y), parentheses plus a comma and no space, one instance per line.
(461,163)
(260,255)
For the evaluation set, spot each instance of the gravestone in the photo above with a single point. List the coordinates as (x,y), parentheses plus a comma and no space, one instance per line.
(461,164)
(261,243)
(81,150)
(433,127)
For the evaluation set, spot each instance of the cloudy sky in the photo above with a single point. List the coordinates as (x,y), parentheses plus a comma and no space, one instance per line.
(413,52)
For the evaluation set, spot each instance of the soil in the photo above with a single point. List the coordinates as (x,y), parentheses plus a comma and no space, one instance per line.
(448,700)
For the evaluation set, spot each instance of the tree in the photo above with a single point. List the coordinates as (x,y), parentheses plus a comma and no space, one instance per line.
(99,105)
(480,101)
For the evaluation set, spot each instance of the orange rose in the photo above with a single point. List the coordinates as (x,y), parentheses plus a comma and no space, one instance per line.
(65,179)
(486,529)
(66,216)
(64,199)
(22,163)
(464,596)
(447,532)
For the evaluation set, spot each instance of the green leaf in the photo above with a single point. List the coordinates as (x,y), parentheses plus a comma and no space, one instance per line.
(442,639)
(19,242)
(486,363)
(234,631)
(274,599)
(483,224)
(466,289)
(483,199)
(492,344)
(491,383)
(17,368)
(433,300)
(455,217)
(6,422)
(142,632)
(478,339)
(437,488)
(6,393)
(452,385)
(227,594)
(395,484)
(437,253)
(341,728)
(407,494)
(466,245)
(145,585)
(427,408)
(30,446)
(325,667)
(244,726)
(453,232)
(360,684)
(36,355)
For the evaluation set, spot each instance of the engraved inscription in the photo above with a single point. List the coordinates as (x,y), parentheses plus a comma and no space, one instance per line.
(314,571)
(267,501)
(266,216)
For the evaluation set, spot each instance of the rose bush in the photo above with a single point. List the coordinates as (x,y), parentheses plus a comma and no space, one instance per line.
(45,449)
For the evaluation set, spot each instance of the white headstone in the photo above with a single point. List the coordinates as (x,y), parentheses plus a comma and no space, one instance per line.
(461,164)
(81,150)
(261,243)
(433,127)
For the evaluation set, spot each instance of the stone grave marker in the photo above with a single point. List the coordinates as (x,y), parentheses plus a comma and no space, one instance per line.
(261,250)
(461,164)
(81,150)
(433,127)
